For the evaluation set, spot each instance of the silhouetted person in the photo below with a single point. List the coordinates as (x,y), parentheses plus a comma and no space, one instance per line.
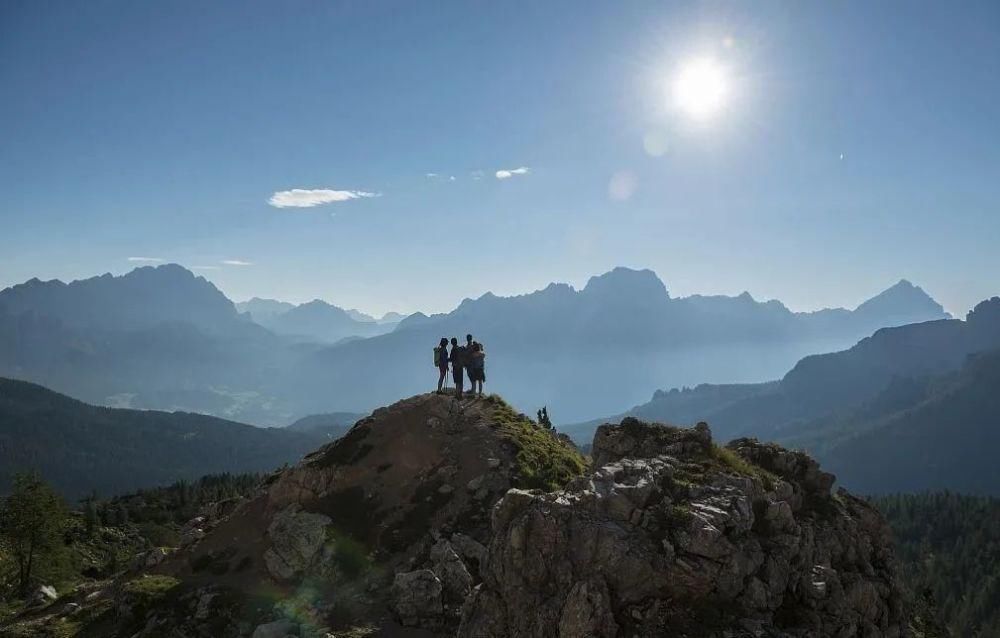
(477,368)
(457,366)
(468,356)
(441,361)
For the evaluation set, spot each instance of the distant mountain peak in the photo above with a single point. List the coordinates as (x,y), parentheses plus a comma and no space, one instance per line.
(358,315)
(626,281)
(903,299)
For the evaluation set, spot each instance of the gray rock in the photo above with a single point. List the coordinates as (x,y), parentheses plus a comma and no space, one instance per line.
(277,629)
(204,607)
(449,568)
(473,553)
(417,599)
(156,556)
(587,612)
(296,539)
(44,595)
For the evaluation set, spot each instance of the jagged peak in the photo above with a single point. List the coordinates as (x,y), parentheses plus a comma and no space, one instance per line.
(901,298)
(623,280)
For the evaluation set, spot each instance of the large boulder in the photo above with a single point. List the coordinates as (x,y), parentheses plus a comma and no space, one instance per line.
(44,595)
(417,599)
(296,539)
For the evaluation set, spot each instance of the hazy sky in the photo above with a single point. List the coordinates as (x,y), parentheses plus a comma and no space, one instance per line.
(856,143)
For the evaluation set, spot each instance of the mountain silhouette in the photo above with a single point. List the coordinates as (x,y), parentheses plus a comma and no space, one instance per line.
(316,320)
(263,310)
(585,352)
(163,338)
(141,299)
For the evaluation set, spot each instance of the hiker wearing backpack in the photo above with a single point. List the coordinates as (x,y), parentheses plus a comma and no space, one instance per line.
(468,357)
(477,367)
(441,361)
(457,366)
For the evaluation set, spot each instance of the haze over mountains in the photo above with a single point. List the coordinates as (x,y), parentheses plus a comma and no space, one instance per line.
(910,408)
(583,351)
(316,320)
(164,338)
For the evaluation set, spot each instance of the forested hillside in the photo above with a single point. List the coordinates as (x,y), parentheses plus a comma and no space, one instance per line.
(81,448)
(950,544)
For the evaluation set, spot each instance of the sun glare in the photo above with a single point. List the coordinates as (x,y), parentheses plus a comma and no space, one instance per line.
(699,89)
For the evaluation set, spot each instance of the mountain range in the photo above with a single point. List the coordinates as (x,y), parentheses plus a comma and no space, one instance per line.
(162,338)
(910,408)
(316,320)
(584,352)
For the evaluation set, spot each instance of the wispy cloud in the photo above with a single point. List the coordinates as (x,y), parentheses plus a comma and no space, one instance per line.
(204,268)
(236,262)
(147,260)
(439,176)
(307,198)
(507,173)
(477,175)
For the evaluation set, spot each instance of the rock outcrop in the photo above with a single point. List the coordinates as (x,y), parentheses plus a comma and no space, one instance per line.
(395,516)
(672,535)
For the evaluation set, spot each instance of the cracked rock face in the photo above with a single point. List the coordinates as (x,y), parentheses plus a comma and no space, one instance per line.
(296,539)
(671,535)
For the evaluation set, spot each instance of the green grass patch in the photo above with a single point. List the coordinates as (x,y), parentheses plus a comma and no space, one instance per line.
(736,463)
(149,589)
(350,556)
(543,461)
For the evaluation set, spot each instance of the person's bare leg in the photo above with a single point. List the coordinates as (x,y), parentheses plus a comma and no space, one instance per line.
(443,372)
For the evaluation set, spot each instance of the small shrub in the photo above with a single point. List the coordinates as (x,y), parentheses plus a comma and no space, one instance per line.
(350,556)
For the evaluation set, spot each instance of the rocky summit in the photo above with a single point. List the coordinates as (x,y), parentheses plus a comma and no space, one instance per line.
(445,517)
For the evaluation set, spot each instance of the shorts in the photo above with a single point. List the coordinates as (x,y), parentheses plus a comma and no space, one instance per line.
(456,374)
(477,375)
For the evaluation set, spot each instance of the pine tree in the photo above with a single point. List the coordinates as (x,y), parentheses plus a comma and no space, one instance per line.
(31,526)
(90,519)
(543,418)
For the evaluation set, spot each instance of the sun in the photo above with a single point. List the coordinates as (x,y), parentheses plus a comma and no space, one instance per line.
(699,90)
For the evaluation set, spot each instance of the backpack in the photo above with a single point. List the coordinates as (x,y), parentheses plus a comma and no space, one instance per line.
(479,361)
(437,356)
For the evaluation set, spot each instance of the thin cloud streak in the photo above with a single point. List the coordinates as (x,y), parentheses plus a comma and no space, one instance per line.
(307,198)
(147,260)
(507,173)
(236,262)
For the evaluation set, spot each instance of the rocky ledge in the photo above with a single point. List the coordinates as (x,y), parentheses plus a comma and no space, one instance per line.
(672,535)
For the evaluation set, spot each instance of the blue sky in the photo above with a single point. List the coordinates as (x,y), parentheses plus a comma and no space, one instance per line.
(857,145)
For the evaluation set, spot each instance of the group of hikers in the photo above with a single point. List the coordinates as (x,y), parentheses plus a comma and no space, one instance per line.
(466,360)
